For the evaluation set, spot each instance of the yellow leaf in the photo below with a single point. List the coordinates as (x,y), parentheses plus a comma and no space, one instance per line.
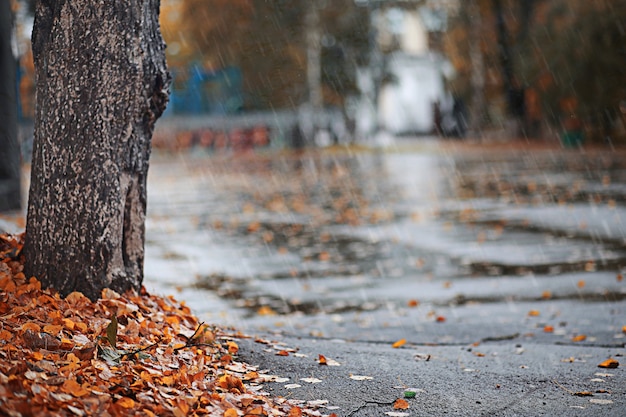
(69,324)
(33,327)
(231,412)
(233,348)
(126,402)
(534,313)
(398,343)
(52,329)
(609,363)
(167,380)
(266,311)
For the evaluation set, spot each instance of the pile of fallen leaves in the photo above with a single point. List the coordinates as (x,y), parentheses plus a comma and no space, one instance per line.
(130,354)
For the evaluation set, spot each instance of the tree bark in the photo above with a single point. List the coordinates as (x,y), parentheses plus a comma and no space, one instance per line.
(10,187)
(478,109)
(101,84)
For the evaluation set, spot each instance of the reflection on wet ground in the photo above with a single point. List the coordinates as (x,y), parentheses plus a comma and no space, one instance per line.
(324,232)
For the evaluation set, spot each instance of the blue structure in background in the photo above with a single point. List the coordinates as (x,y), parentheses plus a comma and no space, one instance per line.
(200,91)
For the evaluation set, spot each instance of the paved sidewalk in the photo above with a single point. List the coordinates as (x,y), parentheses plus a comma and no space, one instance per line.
(512,377)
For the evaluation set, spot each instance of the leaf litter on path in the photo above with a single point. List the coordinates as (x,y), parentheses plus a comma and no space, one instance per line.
(126,354)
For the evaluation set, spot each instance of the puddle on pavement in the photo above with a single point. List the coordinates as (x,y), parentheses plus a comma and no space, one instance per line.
(330,232)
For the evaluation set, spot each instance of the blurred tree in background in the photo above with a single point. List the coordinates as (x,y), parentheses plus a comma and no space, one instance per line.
(564,57)
(267,41)
(533,62)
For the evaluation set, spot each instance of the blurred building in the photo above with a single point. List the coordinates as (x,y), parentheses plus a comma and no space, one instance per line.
(404,88)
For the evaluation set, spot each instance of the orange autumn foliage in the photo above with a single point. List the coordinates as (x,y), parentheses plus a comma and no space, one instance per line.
(56,357)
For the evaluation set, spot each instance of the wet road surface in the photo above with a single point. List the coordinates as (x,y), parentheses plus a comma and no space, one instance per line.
(487,282)
(325,238)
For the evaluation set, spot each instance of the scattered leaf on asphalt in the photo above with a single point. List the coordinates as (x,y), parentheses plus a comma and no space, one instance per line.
(401,404)
(292,386)
(583,394)
(409,394)
(534,313)
(361,377)
(609,363)
(396,414)
(311,380)
(323,360)
(579,338)
(399,343)
(548,329)
(600,401)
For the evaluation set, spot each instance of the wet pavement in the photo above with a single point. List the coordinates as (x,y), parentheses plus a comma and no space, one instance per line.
(507,258)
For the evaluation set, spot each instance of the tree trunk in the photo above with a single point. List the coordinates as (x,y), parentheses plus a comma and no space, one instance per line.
(10,188)
(102,83)
(478,109)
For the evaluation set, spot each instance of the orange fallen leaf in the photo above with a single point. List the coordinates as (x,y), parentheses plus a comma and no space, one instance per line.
(623,329)
(231,412)
(266,311)
(126,402)
(399,343)
(233,348)
(440,319)
(534,313)
(70,386)
(69,324)
(258,411)
(401,404)
(619,277)
(579,338)
(282,353)
(548,329)
(413,303)
(322,360)
(581,283)
(33,327)
(547,294)
(609,363)
(295,412)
